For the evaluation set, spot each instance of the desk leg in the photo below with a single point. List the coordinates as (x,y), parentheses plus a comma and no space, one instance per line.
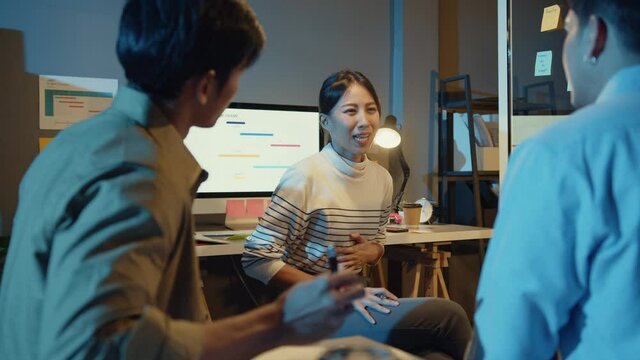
(433,291)
(433,281)
(417,279)
(445,292)
(441,260)
(436,282)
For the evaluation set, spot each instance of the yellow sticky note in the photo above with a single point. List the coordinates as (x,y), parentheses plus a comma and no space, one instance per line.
(550,18)
(43,142)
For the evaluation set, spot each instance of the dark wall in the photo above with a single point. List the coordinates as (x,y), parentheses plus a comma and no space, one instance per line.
(66,37)
(309,39)
(527,41)
(469,42)
(18,133)
(306,40)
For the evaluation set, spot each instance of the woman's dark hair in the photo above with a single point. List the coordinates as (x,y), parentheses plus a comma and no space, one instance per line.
(624,15)
(164,43)
(337,83)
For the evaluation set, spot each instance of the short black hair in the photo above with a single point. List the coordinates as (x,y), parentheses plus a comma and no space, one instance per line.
(337,84)
(164,43)
(624,15)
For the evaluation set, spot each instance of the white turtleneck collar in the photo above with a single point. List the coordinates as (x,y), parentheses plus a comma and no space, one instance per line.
(345,166)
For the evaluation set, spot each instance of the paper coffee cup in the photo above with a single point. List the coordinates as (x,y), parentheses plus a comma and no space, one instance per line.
(412,214)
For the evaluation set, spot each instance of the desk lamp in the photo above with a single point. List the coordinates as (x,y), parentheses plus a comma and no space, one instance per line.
(388,137)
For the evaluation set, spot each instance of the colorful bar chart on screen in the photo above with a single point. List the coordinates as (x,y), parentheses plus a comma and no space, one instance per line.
(248,150)
(66,100)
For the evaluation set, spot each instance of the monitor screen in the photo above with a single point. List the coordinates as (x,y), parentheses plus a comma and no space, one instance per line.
(251,146)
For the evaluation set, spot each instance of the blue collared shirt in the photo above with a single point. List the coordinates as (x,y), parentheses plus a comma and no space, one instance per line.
(563,268)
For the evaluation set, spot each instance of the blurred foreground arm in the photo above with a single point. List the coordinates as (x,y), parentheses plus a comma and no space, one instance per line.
(308,312)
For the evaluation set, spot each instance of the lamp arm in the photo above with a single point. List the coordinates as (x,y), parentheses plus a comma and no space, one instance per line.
(406,171)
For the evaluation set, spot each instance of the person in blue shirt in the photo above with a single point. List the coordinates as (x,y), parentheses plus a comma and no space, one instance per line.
(562,272)
(102,259)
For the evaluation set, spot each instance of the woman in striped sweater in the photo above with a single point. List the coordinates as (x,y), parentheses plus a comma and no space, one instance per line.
(339,197)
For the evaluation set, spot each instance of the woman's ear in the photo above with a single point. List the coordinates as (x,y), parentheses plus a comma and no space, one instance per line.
(324,122)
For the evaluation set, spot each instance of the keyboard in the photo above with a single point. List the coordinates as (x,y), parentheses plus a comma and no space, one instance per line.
(221,236)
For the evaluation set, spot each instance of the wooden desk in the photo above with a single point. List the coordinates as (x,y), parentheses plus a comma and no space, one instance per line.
(442,233)
(424,251)
(425,239)
(235,248)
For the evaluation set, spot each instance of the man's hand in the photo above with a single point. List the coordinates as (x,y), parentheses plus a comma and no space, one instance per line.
(315,309)
(375,299)
(357,256)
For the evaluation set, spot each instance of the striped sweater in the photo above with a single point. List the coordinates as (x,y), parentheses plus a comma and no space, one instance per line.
(319,201)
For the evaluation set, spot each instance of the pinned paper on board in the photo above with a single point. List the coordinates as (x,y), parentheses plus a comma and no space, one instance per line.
(66,100)
(43,142)
(543,63)
(551,19)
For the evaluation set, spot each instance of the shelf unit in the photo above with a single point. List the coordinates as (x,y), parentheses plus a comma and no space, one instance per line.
(450,102)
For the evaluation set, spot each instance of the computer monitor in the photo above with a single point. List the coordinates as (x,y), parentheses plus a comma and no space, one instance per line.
(249,149)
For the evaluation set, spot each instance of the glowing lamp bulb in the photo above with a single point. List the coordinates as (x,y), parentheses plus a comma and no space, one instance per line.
(387,138)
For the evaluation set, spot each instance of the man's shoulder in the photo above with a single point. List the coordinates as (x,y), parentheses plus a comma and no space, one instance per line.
(97,148)
(588,129)
(107,138)
(592,143)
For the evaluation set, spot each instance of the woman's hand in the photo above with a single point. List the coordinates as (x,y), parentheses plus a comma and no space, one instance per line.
(375,299)
(314,309)
(355,257)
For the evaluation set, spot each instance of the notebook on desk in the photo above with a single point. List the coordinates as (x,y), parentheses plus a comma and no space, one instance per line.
(221,236)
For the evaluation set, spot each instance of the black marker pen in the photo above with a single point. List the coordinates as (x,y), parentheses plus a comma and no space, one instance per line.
(333,258)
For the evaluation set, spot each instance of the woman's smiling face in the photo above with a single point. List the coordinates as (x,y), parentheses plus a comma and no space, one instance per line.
(352,123)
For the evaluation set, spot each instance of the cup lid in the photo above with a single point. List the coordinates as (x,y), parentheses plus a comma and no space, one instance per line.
(411,205)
